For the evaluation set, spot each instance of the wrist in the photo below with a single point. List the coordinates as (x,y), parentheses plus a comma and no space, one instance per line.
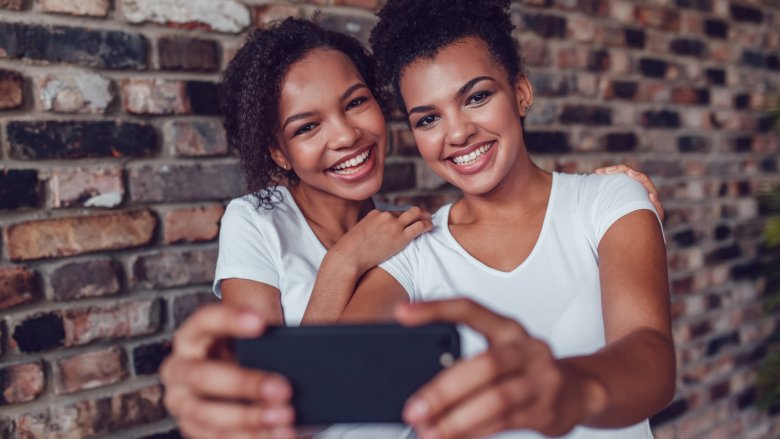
(343,262)
(591,394)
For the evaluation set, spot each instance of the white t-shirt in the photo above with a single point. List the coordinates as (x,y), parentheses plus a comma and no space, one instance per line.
(555,293)
(278,248)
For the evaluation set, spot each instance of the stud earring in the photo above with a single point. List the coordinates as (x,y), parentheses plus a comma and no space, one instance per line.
(527,108)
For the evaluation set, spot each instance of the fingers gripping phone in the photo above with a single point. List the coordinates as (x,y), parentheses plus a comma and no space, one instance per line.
(352,373)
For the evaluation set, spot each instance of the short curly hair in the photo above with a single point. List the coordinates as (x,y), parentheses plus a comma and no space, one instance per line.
(251,88)
(411,29)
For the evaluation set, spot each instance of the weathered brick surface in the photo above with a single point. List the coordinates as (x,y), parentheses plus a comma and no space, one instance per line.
(74,93)
(17,286)
(11,90)
(147,358)
(19,188)
(89,370)
(188,54)
(72,236)
(270,13)
(175,268)
(192,224)
(14,5)
(93,8)
(94,417)
(103,49)
(88,187)
(74,140)
(37,332)
(219,15)
(154,96)
(21,383)
(92,278)
(130,319)
(184,306)
(197,138)
(184,182)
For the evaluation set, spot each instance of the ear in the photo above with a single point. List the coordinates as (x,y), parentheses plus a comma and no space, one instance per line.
(524,95)
(278,156)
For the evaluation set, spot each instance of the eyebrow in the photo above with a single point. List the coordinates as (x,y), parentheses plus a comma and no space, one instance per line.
(300,116)
(461,91)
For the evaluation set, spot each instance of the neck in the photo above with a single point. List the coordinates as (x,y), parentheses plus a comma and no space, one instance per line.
(328,215)
(524,191)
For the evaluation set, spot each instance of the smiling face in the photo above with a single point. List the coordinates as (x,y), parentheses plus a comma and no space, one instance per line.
(466,115)
(332,131)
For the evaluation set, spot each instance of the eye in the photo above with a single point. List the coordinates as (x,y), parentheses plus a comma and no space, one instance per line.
(478,98)
(356,102)
(304,129)
(426,120)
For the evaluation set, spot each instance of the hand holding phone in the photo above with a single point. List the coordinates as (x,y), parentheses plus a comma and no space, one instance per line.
(352,373)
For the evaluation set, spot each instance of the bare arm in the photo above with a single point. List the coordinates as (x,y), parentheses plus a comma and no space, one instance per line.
(258,297)
(376,298)
(375,238)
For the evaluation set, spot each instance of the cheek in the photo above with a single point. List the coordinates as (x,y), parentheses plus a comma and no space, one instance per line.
(427,145)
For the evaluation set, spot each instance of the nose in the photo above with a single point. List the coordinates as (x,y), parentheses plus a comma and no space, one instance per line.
(344,133)
(459,130)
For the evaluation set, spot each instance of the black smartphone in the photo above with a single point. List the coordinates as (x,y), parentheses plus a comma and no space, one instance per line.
(352,373)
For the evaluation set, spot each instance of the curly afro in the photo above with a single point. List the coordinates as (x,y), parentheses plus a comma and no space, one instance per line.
(251,89)
(412,29)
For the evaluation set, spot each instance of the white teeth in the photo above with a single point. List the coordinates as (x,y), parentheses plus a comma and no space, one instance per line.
(342,168)
(468,159)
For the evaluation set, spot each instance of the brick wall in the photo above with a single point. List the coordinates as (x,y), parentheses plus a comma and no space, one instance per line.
(114,173)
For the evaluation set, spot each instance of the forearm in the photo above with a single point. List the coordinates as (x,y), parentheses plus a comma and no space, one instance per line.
(333,288)
(627,381)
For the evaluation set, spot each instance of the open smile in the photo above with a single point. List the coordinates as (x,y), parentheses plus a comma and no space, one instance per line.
(471,158)
(352,165)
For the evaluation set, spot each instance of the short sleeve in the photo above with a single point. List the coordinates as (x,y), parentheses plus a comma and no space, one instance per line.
(245,249)
(617,196)
(402,267)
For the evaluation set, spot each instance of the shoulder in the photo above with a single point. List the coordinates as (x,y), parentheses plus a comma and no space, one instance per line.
(592,188)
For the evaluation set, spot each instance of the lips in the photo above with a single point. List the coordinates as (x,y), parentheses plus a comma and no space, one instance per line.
(355,167)
(469,158)
(351,164)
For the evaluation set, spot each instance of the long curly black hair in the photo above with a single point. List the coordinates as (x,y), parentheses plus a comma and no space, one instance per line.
(412,29)
(251,89)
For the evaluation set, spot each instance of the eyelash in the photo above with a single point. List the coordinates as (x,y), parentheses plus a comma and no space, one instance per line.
(310,126)
(304,129)
(356,102)
(483,94)
(473,99)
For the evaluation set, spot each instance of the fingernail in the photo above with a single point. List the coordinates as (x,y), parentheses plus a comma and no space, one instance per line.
(418,410)
(250,320)
(276,415)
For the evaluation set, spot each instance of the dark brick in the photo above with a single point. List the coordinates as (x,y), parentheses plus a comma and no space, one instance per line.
(714,301)
(723,254)
(193,54)
(548,26)
(587,115)
(7,426)
(716,28)
(399,177)
(200,181)
(661,119)
(547,142)
(671,412)
(103,49)
(744,188)
(743,144)
(722,232)
(92,278)
(11,90)
(39,333)
(748,270)
(701,328)
(772,62)
(700,5)
(746,13)
(741,101)
(72,140)
(715,76)
(184,306)
(653,68)
(147,358)
(766,123)
(204,97)
(635,38)
(720,390)
(769,165)
(624,89)
(552,85)
(688,47)
(621,142)
(172,434)
(685,238)
(747,398)
(598,61)
(19,188)
(752,58)
(693,144)
(715,345)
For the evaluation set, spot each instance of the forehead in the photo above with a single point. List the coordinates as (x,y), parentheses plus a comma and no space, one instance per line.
(318,74)
(453,66)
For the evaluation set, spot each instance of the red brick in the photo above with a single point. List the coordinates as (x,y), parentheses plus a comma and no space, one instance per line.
(185,305)
(365,4)
(270,13)
(89,370)
(192,224)
(17,286)
(659,17)
(202,181)
(94,417)
(174,268)
(188,54)
(11,90)
(93,8)
(154,96)
(77,235)
(76,187)
(130,319)
(82,279)
(21,383)
(14,5)
(197,138)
